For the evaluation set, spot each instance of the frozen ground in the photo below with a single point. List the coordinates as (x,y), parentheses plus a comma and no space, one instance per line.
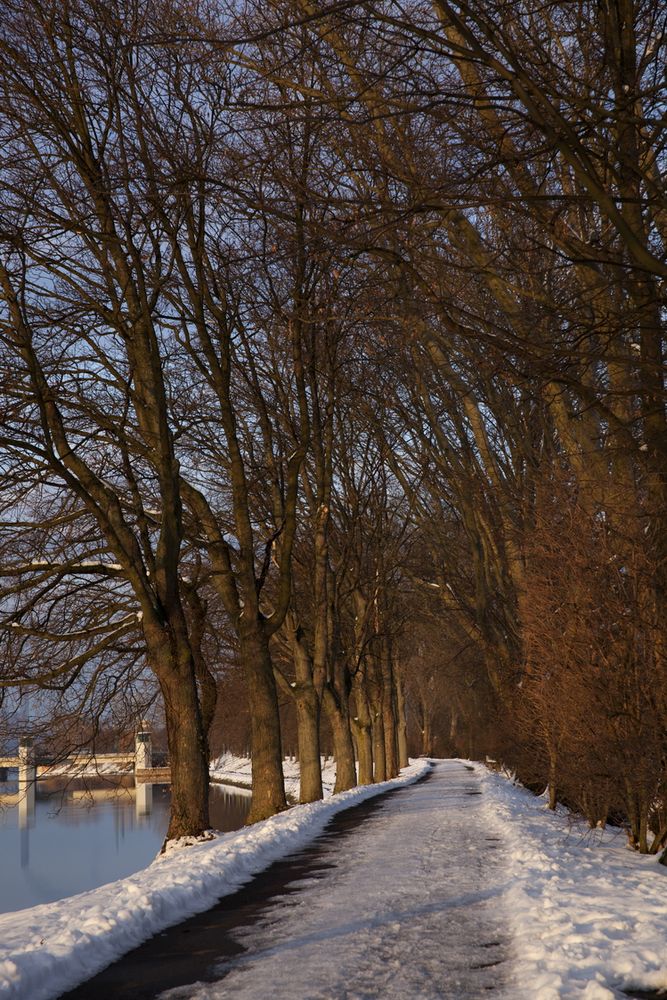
(447,879)
(437,877)
(588,915)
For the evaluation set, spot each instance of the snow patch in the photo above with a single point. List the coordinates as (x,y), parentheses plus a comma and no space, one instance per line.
(235,770)
(180,842)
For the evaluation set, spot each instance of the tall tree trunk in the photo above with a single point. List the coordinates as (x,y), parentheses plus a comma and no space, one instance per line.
(208,698)
(632,810)
(389,714)
(362,728)
(643,809)
(375,693)
(426,731)
(403,759)
(390,749)
(207,685)
(308,734)
(553,785)
(268,784)
(379,758)
(186,741)
(307,704)
(339,721)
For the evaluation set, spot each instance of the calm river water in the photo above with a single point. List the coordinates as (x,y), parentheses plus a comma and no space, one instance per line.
(81,834)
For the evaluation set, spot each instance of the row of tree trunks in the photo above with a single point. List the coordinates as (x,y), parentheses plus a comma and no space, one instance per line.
(370,744)
(365,711)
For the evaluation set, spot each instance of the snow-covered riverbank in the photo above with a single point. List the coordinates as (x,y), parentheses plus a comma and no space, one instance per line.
(234,770)
(48,949)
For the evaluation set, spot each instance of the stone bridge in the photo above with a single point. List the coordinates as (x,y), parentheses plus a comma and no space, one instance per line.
(139,760)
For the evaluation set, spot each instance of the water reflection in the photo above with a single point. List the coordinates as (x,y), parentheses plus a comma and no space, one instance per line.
(143,803)
(62,836)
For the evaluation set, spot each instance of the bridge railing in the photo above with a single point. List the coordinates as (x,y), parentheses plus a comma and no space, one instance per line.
(140,759)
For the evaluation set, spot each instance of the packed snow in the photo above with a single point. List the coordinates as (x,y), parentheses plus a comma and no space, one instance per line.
(394,919)
(587,915)
(464,881)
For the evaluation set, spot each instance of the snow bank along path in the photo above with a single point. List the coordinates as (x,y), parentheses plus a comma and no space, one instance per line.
(48,949)
(410,911)
(588,915)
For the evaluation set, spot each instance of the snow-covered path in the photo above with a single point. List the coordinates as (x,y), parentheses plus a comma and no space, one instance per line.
(413,908)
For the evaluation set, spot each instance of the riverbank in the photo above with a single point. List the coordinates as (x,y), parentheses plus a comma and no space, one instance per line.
(230,769)
(49,949)
(192,951)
